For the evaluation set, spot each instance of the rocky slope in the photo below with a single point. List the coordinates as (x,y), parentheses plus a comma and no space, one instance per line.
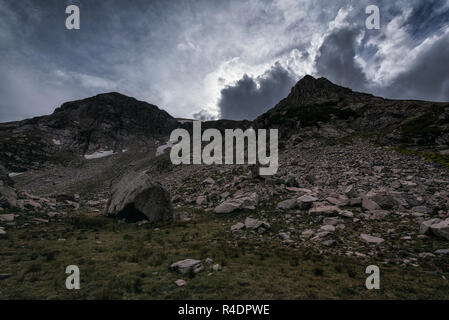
(93,127)
(319,107)
(362,180)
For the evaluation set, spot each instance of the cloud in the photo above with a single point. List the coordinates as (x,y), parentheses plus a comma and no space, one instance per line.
(204,115)
(391,62)
(181,55)
(250,97)
(336,58)
(427,78)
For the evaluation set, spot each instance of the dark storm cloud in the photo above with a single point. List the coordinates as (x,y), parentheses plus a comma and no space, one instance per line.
(185,54)
(336,60)
(427,78)
(250,97)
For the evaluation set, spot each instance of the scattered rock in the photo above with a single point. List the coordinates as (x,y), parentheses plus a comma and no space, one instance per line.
(329,243)
(369,204)
(385,200)
(209,180)
(420,209)
(7,217)
(370,239)
(307,233)
(200,200)
(251,223)
(237,226)
(333,221)
(354,202)
(379,214)
(424,227)
(442,252)
(185,217)
(180,282)
(4,276)
(346,213)
(327,228)
(351,191)
(247,201)
(187,265)
(305,202)
(324,210)
(441,229)
(284,236)
(287,204)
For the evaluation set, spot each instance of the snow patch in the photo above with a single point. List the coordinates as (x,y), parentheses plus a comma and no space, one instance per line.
(184,121)
(161,149)
(99,154)
(15,174)
(57,142)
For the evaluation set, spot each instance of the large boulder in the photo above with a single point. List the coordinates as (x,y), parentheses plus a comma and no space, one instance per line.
(136,196)
(441,229)
(8,196)
(4,177)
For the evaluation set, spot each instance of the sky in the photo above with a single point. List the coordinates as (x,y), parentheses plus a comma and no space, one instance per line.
(208,59)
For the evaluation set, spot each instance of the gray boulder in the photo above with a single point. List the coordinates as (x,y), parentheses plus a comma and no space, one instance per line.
(287,204)
(441,229)
(424,226)
(136,196)
(187,265)
(369,204)
(4,177)
(385,200)
(305,202)
(242,202)
(371,239)
(8,197)
(254,224)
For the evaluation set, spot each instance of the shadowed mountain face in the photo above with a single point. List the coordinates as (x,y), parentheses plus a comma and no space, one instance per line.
(106,122)
(331,111)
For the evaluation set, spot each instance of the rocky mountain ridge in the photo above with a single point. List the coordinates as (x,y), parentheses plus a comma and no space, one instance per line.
(319,107)
(112,123)
(109,122)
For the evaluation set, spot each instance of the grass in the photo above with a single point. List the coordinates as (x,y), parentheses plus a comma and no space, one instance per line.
(127,261)
(430,156)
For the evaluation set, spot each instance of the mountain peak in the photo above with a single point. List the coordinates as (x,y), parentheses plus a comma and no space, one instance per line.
(310,88)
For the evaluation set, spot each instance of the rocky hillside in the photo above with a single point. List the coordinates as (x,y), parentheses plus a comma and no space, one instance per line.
(354,188)
(319,107)
(93,127)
